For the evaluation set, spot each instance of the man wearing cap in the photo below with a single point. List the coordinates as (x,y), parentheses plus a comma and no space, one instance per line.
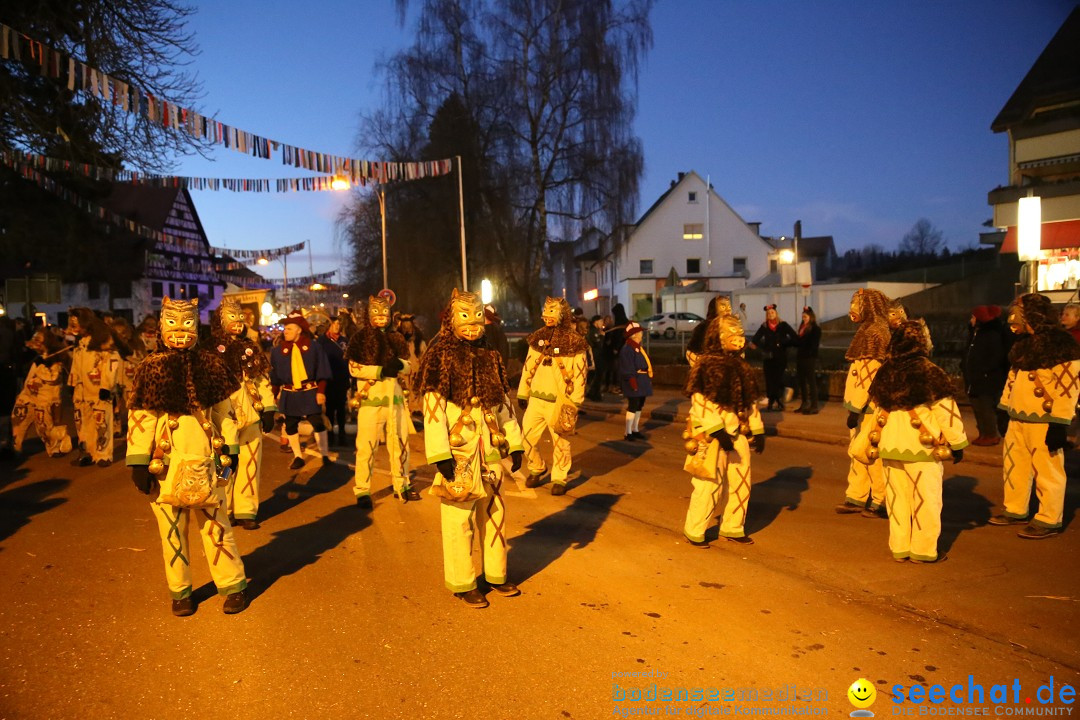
(635,379)
(299,372)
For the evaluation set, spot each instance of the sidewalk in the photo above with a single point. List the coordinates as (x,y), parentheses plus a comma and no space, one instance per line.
(668,405)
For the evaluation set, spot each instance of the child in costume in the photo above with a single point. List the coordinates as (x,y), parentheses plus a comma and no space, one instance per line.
(916,425)
(253,409)
(1040,397)
(378,359)
(176,451)
(551,390)
(469,427)
(724,424)
(866,483)
(635,379)
(298,373)
(97,373)
(39,401)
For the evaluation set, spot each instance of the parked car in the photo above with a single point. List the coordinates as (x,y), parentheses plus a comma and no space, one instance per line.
(667,324)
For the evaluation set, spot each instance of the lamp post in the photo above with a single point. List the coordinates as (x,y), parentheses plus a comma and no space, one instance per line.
(285,276)
(380,192)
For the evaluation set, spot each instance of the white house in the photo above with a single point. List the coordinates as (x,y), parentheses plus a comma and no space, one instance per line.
(690,244)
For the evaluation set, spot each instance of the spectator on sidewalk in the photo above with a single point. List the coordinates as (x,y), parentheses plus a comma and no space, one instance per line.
(806,355)
(333,343)
(595,337)
(635,377)
(614,337)
(986,365)
(773,338)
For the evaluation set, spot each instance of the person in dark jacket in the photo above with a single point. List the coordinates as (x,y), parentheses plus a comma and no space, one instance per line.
(595,337)
(806,354)
(614,337)
(773,339)
(337,388)
(635,379)
(986,365)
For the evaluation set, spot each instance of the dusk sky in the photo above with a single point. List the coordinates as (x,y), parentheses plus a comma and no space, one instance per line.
(856,117)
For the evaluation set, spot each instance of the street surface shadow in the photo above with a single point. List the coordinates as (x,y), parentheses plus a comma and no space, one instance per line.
(19,504)
(545,540)
(302,486)
(962,509)
(294,548)
(783,491)
(633,450)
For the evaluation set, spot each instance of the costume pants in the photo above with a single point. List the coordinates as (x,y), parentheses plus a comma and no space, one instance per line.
(913,494)
(43,418)
(94,421)
(243,490)
(371,425)
(865,482)
(219,546)
(731,491)
(536,419)
(1027,460)
(474,538)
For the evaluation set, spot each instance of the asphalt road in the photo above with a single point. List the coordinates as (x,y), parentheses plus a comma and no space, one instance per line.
(350,618)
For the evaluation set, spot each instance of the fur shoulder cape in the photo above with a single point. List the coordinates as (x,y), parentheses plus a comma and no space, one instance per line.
(372,346)
(726,379)
(697,338)
(459,371)
(178,381)
(905,382)
(242,356)
(1044,350)
(566,340)
(871,341)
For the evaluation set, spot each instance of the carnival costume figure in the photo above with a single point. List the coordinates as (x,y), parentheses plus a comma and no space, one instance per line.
(178,455)
(719,307)
(469,427)
(253,409)
(724,424)
(299,372)
(915,426)
(551,390)
(379,360)
(39,401)
(97,373)
(1040,397)
(865,483)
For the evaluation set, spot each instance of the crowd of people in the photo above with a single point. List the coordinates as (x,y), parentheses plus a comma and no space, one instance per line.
(192,405)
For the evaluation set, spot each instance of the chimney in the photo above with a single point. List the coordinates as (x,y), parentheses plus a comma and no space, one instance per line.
(681,176)
(756,227)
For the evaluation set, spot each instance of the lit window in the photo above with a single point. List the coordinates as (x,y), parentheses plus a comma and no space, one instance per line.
(693,266)
(645,267)
(693,231)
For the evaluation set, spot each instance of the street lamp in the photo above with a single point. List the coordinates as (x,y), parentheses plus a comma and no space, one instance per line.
(486,291)
(1029,236)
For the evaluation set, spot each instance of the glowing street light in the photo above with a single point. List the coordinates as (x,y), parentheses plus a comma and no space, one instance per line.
(262,261)
(787,256)
(317,286)
(1029,236)
(486,291)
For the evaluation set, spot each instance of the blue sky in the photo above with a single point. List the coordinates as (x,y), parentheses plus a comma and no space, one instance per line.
(857,117)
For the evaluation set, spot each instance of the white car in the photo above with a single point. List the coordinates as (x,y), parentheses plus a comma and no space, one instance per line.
(667,324)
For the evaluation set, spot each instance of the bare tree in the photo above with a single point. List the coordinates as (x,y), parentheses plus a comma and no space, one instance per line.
(922,239)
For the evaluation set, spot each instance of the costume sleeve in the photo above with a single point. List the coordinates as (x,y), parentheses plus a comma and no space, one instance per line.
(759,336)
(510,428)
(757,425)
(627,365)
(705,415)
(276,358)
(322,366)
(1062,390)
(857,385)
(224,419)
(142,426)
(436,430)
(365,372)
(265,392)
(532,359)
(1006,392)
(947,414)
(578,371)
(76,367)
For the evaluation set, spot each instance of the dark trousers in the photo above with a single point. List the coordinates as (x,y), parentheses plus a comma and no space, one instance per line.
(292,423)
(635,404)
(335,410)
(774,379)
(806,373)
(986,420)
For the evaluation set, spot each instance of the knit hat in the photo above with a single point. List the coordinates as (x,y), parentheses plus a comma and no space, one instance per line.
(986,313)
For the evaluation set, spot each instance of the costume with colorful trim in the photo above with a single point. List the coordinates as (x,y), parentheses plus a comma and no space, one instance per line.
(915,426)
(299,372)
(253,407)
(551,390)
(379,360)
(38,402)
(1040,397)
(469,427)
(97,373)
(178,414)
(870,309)
(724,422)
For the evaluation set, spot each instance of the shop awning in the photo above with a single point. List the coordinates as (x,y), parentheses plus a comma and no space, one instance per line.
(1055,236)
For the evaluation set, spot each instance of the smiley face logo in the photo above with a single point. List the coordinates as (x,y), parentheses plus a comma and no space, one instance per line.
(862,694)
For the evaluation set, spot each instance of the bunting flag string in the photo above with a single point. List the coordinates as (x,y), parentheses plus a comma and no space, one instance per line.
(80,77)
(94,172)
(255,255)
(309,280)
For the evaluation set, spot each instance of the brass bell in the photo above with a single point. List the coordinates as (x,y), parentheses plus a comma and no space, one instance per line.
(467,420)
(1048,405)
(875,437)
(873,454)
(1039,392)
(355,402)
(926,438)
(854,372)
(881,420)
(686,435)
(217,443)
(1031,376)
(173,423)
(489,418)
(405,392)
(156,466)
(497,439)
(691,446)
(258,406)
(742,415)
(456,440)
(165,445)
(225,461)
(916,422)
(744,429)
(207,426)
(942,452)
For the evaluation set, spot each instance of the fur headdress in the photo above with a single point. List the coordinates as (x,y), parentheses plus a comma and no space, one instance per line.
(871,340)
(242,356)
(561,340)
(1048,344)
(178,381)
(908,378)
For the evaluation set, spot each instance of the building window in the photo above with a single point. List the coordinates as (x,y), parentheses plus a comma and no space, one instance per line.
(93,291)
(693,231)
(210,291)
(691,196)
(172,290)
(193,292)
(156,289)
(693,266)
(738,266)
(645,267)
